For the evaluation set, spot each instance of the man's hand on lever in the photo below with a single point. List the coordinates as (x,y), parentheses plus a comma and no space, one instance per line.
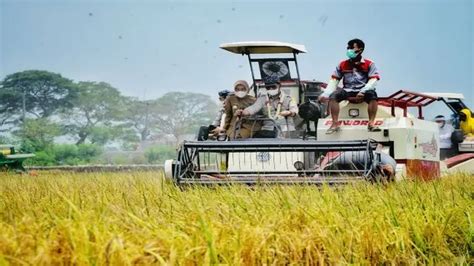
(238,112)
(217,130)
(241,112)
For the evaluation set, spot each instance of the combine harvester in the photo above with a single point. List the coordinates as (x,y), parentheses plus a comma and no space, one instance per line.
(10,159)
(311,159)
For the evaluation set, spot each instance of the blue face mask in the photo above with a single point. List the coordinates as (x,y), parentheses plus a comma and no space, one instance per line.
(351,54)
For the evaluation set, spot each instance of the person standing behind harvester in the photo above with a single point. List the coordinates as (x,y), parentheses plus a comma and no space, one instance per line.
(218,124)
(467,123)
(445,133)
(215,130)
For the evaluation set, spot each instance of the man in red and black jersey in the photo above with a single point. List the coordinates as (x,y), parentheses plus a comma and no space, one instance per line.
(359,76)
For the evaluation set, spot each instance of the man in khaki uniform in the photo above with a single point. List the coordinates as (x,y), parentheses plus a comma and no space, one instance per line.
(233,106)
(276,106)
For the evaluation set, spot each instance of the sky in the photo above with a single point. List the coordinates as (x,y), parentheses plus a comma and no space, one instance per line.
(148,48)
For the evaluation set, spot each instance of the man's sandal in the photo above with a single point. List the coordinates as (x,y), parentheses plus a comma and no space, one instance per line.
(332,130)
(372,128)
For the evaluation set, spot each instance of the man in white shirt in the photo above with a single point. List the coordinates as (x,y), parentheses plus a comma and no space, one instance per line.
(445,132)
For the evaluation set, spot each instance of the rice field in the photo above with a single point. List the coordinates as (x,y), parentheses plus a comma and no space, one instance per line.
(137,218)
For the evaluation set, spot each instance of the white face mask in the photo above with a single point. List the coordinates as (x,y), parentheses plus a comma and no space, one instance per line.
(273,92)
(240,94)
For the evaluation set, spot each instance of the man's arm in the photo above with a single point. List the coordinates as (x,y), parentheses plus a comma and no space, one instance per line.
(445,136)
(330,88)
(370,85)
(217,120)
(256,106)
(374,77)
(446,133)
(228,113)
(332,84)
(293,107)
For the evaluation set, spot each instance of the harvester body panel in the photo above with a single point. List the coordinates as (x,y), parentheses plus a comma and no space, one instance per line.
(414,143)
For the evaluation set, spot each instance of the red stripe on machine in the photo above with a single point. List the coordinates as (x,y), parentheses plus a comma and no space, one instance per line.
(354,123)
(422,169)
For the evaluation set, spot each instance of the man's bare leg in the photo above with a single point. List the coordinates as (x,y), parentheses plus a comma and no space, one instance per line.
(372,110)
(334,108)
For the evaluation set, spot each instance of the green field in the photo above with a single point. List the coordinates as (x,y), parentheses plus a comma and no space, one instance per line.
(138,218)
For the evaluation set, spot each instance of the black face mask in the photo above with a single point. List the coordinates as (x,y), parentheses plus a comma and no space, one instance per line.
(462,117)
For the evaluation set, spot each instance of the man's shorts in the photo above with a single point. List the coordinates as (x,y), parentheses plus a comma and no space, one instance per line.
(342,95)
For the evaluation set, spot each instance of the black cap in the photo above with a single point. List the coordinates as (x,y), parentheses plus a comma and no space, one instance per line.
(223,93)
(271,80)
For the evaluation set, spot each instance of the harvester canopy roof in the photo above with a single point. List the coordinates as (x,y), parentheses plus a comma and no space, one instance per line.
(263,47)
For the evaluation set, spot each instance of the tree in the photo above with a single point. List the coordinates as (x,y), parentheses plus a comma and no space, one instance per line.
(139,117)
(98,109)
(179,113)
(37,134)
(35,92)
(9,106)
(159,153)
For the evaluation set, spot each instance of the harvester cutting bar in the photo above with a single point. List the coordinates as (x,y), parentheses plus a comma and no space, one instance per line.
(282,172)
(270,180)
(276,145)
(273,161)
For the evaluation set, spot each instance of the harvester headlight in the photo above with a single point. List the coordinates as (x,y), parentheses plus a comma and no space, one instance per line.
(353,112)
(299,165)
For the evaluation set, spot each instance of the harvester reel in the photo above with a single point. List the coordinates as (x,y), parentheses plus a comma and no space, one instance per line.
(263,161)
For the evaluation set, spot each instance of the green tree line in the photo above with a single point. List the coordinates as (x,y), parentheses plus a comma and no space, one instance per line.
(39,107)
